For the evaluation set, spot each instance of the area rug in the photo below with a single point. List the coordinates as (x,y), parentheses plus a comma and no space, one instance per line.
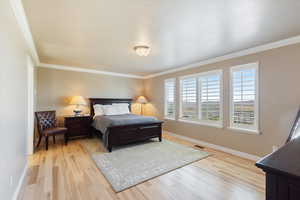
(133,164)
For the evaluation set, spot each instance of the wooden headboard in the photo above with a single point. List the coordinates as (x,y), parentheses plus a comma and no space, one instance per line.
(105,101)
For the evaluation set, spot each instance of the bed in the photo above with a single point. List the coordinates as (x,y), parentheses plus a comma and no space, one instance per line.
(118,130)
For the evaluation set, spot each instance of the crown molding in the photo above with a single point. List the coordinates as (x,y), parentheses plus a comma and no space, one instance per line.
(92,71)
(19,12)
(20,15)
(257,49)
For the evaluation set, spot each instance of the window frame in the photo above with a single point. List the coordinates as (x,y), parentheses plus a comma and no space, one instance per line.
(251,129)
(220,122)
(165,99)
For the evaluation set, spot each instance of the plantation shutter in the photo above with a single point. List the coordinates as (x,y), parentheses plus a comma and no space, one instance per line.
(189,98)
(170,90)
(244,97)
(210,95)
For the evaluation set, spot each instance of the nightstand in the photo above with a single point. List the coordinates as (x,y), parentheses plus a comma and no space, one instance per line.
(78,126)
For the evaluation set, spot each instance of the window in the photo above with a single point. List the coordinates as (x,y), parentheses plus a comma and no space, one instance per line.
(201,98)
(170,91)
(210,99)
(189,98)
(244,97)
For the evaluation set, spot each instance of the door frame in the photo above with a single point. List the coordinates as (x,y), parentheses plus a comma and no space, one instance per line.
(30,105)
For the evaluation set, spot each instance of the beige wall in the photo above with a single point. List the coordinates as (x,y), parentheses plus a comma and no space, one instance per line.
(55,87)
(13,98)
(279,97)
(279,101)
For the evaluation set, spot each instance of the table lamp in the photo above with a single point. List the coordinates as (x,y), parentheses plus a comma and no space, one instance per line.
(78,101)
(142,100)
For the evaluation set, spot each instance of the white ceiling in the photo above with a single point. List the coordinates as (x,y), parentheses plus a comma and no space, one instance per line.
(101,34)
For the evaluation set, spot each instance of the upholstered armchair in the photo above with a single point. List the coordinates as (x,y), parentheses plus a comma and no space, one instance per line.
(47,126)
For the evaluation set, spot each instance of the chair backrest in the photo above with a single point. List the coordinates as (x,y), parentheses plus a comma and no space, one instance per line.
(45,119)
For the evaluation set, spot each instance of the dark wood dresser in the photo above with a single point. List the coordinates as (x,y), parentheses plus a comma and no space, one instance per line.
(283,172)
(78,126)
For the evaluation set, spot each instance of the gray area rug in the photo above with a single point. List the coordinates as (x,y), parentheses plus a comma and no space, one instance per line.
(133,164)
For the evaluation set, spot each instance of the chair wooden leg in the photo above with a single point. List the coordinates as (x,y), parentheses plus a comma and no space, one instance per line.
(53,139)
(47,141)
(66,139)
(109,148)
(39,141)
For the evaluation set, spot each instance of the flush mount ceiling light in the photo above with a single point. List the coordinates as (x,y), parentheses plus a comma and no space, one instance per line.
(142,50)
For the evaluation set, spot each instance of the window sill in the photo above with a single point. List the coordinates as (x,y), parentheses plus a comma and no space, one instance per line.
(242,130)
(201,123)
(170,119)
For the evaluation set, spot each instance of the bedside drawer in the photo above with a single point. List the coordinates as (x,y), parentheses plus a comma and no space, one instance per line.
(77,120)
(78,132)
(78,126)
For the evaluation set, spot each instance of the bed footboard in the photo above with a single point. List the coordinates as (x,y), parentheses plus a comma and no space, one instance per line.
(120,135)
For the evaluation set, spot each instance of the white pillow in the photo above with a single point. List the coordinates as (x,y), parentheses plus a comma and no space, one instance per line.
(122,108)
(121,104)
(110,110)
(98,109)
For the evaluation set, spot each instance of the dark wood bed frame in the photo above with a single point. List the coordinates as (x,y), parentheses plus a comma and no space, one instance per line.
(121,135)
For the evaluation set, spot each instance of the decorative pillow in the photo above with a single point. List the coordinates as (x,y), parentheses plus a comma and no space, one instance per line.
(98,109)
(110,110)
(122,108)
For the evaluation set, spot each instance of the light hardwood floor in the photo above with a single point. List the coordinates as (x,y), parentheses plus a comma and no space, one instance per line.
(68,172)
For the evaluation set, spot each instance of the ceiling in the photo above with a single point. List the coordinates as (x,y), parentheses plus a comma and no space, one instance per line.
(101,34)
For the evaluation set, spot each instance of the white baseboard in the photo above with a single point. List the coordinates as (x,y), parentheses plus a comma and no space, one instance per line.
(217,147)
(20,183)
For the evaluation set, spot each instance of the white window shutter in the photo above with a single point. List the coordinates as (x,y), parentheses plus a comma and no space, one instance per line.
(210,95)
(201,98)
(189,98)
(170,103)
(244,97)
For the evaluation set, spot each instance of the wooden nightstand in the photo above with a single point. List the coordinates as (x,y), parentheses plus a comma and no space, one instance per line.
(78,126)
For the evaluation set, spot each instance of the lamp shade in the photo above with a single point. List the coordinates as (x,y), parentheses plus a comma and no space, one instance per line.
(142,99)
(77,100)
(142,50)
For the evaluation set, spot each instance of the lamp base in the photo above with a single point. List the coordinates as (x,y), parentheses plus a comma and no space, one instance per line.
(77,112)
(142,109)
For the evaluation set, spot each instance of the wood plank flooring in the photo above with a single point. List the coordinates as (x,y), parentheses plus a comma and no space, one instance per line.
(68,173)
